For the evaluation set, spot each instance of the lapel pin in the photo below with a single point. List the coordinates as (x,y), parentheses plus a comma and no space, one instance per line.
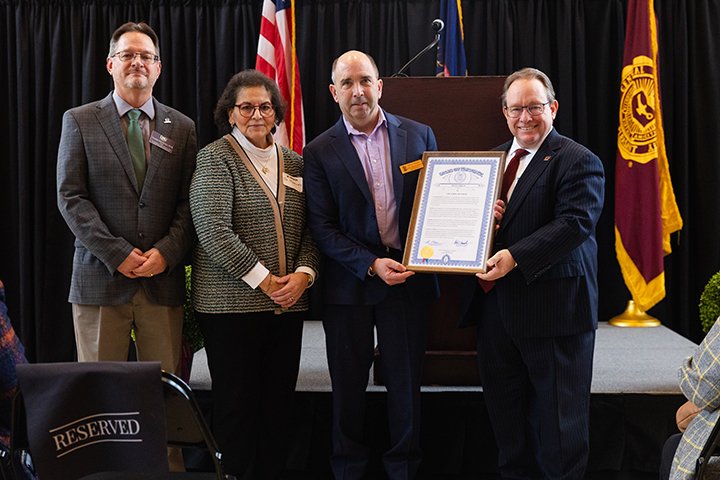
(167,120)
(547,158)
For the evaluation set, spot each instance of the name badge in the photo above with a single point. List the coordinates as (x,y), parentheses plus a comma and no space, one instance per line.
(411,167)
(162,141)
(296,183)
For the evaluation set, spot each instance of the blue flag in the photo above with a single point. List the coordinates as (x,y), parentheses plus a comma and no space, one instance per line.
(451,52)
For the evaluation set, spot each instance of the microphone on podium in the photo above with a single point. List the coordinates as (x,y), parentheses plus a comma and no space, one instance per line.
(437,26)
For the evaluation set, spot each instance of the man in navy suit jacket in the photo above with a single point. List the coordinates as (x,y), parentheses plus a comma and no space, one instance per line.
(359,205)
(536,323)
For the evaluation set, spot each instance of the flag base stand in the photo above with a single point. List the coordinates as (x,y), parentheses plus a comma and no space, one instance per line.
(634,317)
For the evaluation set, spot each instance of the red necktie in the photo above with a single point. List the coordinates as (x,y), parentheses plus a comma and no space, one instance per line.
(507,180)
(511,172)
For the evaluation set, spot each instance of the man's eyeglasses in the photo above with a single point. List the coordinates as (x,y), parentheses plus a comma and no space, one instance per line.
(146,58)
(534,110)
(247,110)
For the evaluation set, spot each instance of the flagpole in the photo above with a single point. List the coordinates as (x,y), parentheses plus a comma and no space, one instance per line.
(291,133)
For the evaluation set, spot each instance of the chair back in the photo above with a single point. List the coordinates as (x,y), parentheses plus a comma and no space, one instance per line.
(89,417)
(710,449)
(186,426)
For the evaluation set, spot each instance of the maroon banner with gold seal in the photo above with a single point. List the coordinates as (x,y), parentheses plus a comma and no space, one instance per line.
(645,209)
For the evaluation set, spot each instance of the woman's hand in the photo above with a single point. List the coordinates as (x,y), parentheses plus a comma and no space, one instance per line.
(269,284)
(291,287)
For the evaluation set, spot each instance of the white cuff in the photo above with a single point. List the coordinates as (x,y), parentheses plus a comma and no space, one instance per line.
(309,271)
(255,276)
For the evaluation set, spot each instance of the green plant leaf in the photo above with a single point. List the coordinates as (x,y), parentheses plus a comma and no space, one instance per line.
(710,303)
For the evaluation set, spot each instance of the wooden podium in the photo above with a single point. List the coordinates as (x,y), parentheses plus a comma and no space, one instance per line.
(466,114)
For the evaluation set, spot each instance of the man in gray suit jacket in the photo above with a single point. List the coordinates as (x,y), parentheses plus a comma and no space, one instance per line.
(123,176)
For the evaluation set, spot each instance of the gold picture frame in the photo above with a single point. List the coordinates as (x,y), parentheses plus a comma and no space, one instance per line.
(453,223)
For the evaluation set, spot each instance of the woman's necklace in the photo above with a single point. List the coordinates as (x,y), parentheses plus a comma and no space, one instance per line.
(265,169)
(261,156)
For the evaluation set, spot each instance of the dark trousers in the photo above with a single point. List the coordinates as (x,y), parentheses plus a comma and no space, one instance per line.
(668,452)
(253,360)
(401,334)
(537,391)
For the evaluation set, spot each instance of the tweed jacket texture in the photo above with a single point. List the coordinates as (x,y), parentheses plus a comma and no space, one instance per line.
(239,222)
(99,198)
(700,383)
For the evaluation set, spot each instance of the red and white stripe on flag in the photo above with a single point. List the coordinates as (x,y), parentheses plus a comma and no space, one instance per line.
(276,58)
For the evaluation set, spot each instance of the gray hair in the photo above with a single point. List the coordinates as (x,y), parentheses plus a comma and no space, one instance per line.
(529,74)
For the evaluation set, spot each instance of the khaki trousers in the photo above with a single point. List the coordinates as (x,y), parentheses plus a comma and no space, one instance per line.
(102,332)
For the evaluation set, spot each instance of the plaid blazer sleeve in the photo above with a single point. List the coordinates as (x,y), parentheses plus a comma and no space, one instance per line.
(700,383)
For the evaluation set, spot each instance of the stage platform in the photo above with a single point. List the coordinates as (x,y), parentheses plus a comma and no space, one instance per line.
(627,361)
(634,397)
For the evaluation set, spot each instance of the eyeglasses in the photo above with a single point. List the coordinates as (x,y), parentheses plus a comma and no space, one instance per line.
(248,110)
(146,58)
(534,110)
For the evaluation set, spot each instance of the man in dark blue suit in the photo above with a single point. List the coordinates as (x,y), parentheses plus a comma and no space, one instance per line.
(360,180)
(537,321)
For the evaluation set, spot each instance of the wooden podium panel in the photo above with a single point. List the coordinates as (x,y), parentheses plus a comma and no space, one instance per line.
(466,114)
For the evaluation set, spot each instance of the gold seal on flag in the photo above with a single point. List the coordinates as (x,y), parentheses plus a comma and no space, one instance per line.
(637,133)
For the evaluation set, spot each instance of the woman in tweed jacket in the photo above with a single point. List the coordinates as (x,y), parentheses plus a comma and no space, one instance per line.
(251,269)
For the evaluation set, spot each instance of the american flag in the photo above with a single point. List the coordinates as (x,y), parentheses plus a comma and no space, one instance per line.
(277,58)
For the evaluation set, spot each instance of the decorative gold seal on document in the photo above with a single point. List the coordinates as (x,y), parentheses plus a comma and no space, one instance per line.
(427,252)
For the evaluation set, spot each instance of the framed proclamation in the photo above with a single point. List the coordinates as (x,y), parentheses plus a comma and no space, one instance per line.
(452,223)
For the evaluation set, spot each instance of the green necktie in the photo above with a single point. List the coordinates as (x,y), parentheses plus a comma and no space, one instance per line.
(136,145)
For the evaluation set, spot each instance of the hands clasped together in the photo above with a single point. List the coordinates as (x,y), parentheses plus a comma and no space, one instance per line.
(285,291)
(139,264)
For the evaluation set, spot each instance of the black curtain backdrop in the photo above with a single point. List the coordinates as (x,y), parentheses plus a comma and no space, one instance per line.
(53,53)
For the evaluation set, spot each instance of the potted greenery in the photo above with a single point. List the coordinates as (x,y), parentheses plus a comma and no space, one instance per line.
(710,303)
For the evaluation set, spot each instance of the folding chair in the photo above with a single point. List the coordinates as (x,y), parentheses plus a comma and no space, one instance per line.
(710,449)
(186,426)
(82,418)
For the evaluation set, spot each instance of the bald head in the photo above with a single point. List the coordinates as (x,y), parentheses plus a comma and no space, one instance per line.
(356,88)
(352,56)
